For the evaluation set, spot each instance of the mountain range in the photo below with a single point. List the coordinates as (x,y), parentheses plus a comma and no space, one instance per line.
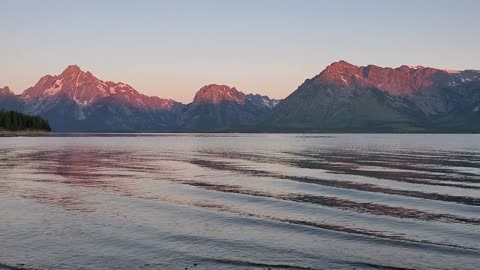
(77,101)
(348,98)
(342,98)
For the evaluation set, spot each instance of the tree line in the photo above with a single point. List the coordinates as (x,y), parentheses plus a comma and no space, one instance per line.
(15,121)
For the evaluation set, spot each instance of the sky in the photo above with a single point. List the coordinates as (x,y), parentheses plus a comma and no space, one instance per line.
(172,48)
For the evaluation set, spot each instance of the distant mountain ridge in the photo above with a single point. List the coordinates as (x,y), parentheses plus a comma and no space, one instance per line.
(404,80)
(348,98)
(342,98)
(220,107)
(76,100)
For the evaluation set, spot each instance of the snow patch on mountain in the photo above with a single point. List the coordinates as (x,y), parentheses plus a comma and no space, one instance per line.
(57,86)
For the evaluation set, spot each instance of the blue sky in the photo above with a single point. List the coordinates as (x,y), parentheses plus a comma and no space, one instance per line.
(172,48)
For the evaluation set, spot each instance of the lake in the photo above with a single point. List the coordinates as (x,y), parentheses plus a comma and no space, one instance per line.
(240,201)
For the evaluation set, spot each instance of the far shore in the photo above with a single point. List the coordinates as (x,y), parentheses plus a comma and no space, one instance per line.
(23,133)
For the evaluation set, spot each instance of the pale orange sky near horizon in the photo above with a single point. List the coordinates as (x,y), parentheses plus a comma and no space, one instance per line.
(171,49)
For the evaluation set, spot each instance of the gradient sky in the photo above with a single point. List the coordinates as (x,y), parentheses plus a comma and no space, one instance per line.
(172,48)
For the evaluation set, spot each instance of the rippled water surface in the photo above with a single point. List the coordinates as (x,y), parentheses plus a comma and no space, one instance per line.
(232,201)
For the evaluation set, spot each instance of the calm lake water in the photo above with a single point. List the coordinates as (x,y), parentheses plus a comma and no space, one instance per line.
(234,201)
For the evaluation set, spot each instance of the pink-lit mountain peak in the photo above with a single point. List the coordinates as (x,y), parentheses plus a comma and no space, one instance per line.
(72,69)
(214,94)
(404,80)
(5,91)
(85,89)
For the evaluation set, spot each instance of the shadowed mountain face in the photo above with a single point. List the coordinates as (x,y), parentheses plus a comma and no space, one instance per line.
(8,100)
(348,98)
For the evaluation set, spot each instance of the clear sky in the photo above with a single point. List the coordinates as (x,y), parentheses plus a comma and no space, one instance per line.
(172,48)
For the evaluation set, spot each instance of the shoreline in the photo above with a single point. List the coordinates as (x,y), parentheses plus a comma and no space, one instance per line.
(4,133)
(23,133)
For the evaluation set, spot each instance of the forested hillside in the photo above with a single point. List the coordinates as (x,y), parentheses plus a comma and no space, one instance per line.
(15,121)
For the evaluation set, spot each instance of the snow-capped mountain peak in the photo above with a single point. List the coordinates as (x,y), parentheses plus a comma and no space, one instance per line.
(85,89)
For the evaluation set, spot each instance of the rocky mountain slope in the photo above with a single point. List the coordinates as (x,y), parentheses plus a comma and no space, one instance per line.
(78,101)
(5,92)
(220,107)
(348,98)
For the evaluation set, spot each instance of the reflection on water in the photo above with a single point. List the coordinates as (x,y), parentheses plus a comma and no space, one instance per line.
(229,201)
